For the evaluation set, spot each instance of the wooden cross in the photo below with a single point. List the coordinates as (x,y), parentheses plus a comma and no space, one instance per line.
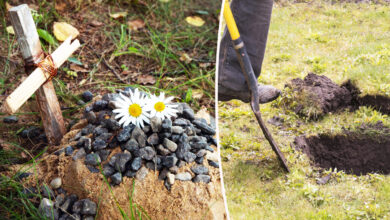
(32,53)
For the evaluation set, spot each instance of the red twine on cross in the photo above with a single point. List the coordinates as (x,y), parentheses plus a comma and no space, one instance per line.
(48,67)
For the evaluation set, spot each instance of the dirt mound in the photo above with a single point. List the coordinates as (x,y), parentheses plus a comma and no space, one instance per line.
(366,150)
(317,95)
(185,200)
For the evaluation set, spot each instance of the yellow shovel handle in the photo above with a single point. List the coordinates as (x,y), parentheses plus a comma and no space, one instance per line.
(230,22)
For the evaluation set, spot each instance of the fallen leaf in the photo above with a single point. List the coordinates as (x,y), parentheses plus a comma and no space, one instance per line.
(126,72)
(195,21)
(60,6)
(203,113)
(146,79)
(46,36)
(118,15)
(204,65)
(82,82)
(96,23)
(10,30)
(63,30)
(78,68)
(136,24)
(165,1)
(8,6)
(197,94)
(185,58)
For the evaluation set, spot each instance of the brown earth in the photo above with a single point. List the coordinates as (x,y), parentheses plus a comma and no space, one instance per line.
(362,151)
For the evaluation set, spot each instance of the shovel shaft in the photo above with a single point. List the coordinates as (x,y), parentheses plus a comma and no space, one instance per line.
(250,78)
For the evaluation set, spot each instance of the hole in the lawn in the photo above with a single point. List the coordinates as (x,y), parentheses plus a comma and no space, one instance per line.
(354,152)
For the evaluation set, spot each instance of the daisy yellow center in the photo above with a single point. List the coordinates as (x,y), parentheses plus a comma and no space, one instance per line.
(159,106)
(135,110)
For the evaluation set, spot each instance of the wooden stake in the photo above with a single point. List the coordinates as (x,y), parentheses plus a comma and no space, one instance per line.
(31,50)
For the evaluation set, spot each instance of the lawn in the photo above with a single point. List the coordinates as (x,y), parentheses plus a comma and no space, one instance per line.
(343,41)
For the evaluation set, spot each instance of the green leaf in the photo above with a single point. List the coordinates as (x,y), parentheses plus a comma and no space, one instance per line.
(202,12)
(46,36)
(188,96)
(75,60)
(133,50)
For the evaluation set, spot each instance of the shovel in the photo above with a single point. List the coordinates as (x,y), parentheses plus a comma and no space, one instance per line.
(250,78)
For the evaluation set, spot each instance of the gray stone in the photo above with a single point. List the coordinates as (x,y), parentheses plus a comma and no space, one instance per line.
(201,153)
(183,176)
(199,160)
(56,183)
(203,127)
(213,164)
(99,144)
(180,122)
(170,145)
(162,150)
(111,124)
(69,201)
(151,166)
(177,130)
(105,136)
(92,159)
(77,206)
(99,105)
(189,114)
(169,161)
(174,169)
(89,207)
(116,178)
(202,178)
(146,129)
(199,169)
(93,169)
(141,174)
(153,139)
(103,154)
(10,119)
(113,160)
(155,124)
(46,208)
(167,125)
(60,199)
(99,130)
(91,117)
(125,134)
(139,135)
(130,173)
(189,157)
(136,163)
(147,153)
(121,161)
(131,145)
(69,151)
(108,170)
(182,148)
(47,192)
(163,174)
(87,96)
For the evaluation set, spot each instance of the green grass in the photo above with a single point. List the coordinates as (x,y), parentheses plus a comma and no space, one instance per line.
(342,41)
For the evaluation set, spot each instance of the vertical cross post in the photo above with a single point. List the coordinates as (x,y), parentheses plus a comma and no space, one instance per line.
(30,47)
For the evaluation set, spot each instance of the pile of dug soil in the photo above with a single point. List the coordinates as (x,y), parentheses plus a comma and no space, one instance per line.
(362,151)
(184,199)
(317,95)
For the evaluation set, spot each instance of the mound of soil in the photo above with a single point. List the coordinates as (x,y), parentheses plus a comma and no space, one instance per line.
(317,95)
(355,152)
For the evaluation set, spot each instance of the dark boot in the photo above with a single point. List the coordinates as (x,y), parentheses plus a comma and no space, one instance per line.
(253,19)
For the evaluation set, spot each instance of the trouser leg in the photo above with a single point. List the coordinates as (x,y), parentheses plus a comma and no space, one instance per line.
(253,20)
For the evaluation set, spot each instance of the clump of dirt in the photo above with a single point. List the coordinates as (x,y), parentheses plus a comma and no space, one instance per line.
(316,95)
(360,151)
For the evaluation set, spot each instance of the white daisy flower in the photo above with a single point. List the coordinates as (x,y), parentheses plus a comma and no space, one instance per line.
(161,107)
(132,109)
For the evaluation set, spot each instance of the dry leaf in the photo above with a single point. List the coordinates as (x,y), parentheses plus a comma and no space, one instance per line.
(60,6)
(185,58)
(126,72)
(146,79)
(78,68)
(204,65)
(136,24)
(82,82)
(118,15)
(195,21)
(96,23)
(165,1)
(203,113)
(197,94)
(10,30)
(63,30)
